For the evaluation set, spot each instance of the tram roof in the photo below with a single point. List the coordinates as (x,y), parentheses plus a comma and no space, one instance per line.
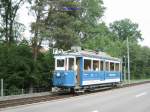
(88,53)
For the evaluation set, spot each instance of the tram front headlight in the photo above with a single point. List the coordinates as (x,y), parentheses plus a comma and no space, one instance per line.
(58,74)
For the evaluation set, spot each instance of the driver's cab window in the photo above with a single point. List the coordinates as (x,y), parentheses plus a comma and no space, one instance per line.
(60,64)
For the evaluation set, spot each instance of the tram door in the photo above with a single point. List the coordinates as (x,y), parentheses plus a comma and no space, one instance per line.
(77,71)
(74,68)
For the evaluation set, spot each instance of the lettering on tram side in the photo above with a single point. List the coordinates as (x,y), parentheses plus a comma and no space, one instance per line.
(112,75)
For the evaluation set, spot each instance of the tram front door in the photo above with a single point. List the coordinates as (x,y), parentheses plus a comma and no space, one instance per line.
(78,71)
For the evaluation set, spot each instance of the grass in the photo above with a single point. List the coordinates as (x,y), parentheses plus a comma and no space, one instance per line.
(136,81)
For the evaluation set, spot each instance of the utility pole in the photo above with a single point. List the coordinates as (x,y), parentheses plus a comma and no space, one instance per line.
(128,55)
(2,89)
(125,69)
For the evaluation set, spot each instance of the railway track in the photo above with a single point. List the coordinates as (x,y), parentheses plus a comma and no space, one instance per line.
(23,101)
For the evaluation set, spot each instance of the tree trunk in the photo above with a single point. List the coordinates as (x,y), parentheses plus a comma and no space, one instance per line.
(6,23)
(35,48)
(31,88)
(35,40)
(11,37)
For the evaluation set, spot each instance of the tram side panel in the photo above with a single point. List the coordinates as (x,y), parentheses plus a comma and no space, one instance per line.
(99,77)
(112,76)
(64,79)
(112,71)
(91,77)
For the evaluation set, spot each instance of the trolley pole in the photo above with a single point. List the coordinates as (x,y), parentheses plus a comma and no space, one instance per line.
(2,89)
(128,55)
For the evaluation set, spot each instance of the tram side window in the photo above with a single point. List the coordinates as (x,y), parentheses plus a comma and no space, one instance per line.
(107,66)
(102,65)
(95,65)
(117,67)
(112,66)
(60,62)
(87,64)
(71,63)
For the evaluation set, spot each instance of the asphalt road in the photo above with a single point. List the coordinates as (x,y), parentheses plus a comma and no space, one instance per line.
(130,99)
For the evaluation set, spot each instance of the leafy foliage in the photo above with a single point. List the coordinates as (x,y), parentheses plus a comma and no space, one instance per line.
(113,41)
(8,23)
(126,28)
(17,65)
(91,17)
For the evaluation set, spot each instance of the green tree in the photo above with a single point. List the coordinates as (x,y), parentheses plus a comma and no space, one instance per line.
(8,23)
(15,64)
(17,68)
(37,8)
(140,61)
(91,14)
(92,11)
(126,28)
(62,24)
(103,41)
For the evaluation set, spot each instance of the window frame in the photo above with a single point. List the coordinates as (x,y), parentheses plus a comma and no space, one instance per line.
(119,67)
(59,58)
(107,61)
(102,64)
(98,64)
(91,67)
(73,63)
(113,66)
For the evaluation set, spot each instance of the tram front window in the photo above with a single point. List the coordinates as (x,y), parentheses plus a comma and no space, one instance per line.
(60,62)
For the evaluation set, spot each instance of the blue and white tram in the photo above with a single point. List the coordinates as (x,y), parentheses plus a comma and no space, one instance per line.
(83,68)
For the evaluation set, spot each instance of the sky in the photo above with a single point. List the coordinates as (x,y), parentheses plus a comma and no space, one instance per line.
(136,10)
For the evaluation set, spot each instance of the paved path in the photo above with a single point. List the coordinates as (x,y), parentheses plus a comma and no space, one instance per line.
(130,99)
